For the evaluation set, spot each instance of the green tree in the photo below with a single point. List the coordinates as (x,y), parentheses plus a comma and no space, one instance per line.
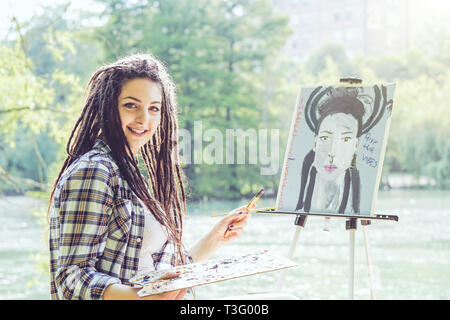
(215,51)
(35,110)
(317,61)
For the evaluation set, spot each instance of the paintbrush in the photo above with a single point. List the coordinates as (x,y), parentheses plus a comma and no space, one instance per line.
(252,210)
(250,204)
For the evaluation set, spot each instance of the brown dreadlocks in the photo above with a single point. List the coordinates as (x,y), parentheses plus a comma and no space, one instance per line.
(100,119)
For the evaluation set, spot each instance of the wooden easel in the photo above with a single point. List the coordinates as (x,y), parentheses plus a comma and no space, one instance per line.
(350,225)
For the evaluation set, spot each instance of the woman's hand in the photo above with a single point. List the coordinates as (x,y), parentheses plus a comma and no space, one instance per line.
(169,295)
(124,292)
(229,228)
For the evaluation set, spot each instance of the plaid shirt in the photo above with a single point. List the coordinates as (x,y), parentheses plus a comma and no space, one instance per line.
(96,227)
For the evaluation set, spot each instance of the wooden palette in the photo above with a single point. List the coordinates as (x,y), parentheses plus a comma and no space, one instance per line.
(210,271)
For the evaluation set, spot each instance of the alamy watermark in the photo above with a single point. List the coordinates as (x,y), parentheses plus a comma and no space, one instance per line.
(233,146)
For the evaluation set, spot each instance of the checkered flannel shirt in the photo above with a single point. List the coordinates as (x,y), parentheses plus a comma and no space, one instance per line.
(96,228)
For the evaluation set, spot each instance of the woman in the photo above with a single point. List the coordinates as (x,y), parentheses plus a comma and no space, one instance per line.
(108,221)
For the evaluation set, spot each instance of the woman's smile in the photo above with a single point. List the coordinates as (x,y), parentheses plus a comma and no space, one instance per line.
(136,132)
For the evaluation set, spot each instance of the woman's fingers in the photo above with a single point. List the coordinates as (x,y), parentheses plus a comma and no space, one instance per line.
(181,294)
(235,229)
(238,225)
(232,225)
(170,295)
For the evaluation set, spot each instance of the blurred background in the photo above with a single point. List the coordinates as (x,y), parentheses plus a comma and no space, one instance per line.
(238,64)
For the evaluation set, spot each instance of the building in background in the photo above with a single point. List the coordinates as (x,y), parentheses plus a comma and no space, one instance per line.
(364,27)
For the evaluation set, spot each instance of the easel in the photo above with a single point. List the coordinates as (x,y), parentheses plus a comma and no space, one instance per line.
(350,225)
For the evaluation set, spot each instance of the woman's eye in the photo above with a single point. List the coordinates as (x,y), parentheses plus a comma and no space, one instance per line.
(129,105)
(154,109)
(324,138)
(346,139)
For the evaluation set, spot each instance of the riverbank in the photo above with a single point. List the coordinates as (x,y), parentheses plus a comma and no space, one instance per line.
(410,257)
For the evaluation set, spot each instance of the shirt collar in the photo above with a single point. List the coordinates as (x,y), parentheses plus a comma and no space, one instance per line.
(101,146)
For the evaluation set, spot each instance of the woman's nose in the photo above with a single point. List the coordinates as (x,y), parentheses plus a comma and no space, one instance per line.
(142,116)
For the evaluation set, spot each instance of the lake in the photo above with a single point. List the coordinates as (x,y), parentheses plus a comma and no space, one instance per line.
(410,258)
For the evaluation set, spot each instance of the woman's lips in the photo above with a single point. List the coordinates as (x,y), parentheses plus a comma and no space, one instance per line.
(330,167)
(137,133)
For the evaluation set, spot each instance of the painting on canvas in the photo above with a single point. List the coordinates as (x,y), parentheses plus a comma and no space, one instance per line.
(335,151)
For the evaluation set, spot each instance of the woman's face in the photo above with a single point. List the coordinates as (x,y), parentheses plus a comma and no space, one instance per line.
(140,111)
(335,145)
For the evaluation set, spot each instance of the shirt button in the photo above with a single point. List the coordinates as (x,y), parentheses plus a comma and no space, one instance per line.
(138,240)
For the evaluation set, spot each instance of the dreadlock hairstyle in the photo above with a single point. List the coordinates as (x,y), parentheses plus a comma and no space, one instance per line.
(100,119)
(345,100)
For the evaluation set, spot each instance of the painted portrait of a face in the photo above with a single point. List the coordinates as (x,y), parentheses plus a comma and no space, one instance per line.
(330,178)
(336,135)
(335,145)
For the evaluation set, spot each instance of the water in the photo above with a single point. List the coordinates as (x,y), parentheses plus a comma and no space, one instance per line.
(410,258)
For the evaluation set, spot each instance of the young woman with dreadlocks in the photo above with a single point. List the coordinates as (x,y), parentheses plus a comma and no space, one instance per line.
(107,221)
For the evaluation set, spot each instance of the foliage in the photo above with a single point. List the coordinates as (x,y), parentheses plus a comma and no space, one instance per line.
(22,91)
(317,61)
(422,127)
(36,113)
(225,57)
(214,51)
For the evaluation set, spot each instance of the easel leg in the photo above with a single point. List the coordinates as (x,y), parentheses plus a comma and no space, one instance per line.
(351,226)
(365,224)
(351,270)
(300,221)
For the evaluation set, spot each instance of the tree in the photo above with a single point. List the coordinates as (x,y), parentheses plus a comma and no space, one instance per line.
(317,61)
(35,106)
(214,51)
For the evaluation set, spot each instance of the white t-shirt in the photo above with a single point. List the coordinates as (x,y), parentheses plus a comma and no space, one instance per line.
(153,238)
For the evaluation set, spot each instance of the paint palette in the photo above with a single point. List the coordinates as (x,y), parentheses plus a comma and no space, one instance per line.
(210,271)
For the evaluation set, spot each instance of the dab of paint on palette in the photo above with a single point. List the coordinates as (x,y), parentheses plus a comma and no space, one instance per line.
(214,270)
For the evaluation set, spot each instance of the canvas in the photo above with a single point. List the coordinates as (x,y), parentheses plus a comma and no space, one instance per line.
(335,150)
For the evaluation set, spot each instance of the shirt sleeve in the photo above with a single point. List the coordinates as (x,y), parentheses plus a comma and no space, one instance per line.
(86,203)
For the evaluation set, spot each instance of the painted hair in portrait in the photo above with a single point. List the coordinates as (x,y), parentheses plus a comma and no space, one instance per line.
(335,150)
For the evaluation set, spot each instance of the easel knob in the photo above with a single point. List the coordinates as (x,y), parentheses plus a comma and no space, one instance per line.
(300,220)
(351,80)
(350,224)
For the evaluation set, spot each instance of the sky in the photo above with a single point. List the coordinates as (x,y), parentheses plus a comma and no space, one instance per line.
(23,10)
(432,10)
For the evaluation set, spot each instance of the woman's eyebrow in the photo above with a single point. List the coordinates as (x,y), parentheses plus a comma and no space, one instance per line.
(129,97)
(347,132)
(136,99)
(325,131)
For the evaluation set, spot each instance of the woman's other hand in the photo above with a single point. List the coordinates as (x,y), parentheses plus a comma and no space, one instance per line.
(169,295)
(119,291)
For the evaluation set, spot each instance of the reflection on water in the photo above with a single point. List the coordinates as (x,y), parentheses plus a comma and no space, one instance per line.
(410,257)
